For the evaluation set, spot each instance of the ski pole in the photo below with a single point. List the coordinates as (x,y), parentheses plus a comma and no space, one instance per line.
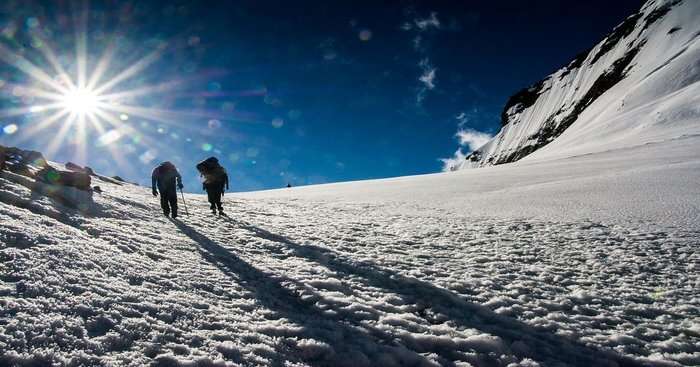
(183,202)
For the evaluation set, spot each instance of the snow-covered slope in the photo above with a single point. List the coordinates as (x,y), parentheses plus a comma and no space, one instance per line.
(637,86)
(583,254)
(585,261)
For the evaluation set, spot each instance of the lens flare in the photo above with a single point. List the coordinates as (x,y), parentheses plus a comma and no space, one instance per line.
(71,98)
(109,137)
(10,129)
(80,101)
(277,123)
(365,35)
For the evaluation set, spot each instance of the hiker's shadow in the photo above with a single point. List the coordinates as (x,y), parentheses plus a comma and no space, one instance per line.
(271,294)
(534,343)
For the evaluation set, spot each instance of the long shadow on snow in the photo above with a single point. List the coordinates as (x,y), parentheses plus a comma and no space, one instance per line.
(540,344)
(341,334)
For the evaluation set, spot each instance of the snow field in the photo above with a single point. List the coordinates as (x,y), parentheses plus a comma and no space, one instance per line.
(296,279)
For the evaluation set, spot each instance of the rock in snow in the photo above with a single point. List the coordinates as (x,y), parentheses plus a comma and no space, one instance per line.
(583,254)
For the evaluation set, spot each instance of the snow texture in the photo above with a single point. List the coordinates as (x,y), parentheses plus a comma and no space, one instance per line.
(591,260)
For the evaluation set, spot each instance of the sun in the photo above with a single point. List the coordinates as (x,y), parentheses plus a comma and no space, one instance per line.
(80,101)
(76,100)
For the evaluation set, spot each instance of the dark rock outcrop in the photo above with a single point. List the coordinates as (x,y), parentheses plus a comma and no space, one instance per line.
(519,101)
(53,176)
(33,164)
(20,161)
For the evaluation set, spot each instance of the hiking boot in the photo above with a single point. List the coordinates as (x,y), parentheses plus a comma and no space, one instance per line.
(221,212)
(174,215)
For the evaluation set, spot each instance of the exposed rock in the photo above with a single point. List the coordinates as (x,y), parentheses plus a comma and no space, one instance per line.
(659,12)
(621,31)
(519,101)
(575,63)
(74,167)
(24,162)
(50,175)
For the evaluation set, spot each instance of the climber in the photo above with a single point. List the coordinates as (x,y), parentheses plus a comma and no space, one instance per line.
(214,181)
(165,178)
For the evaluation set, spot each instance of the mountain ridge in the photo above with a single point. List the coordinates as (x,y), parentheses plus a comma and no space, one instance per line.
(633,51)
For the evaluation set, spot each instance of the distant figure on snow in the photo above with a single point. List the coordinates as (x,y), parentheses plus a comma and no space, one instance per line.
(2,158)
(165,177)
(214,181)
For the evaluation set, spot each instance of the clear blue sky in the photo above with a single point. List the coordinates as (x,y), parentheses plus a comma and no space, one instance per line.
(281,91)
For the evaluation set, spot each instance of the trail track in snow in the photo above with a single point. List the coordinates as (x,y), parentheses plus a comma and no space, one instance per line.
(297,282)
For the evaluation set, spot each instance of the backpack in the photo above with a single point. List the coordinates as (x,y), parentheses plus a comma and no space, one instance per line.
(165,170)
(211,171)
(166,166)
(208,165)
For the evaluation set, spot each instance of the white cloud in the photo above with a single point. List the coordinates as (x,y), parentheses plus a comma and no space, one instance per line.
(472,138)
(428,78)
(469,138)
(467,116)
(417,43)
(462,118)
(428,75)
(420,96)
(452,164)
(422,24)
(427,23)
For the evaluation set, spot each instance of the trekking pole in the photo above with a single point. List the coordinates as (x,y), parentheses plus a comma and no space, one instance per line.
(183,203)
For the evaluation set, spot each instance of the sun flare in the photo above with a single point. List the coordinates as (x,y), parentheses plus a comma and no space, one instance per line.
(74,104)
(58,90)
(80,101)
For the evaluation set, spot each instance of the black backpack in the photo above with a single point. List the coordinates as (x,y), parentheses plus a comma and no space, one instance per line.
(208,165)
(212,172)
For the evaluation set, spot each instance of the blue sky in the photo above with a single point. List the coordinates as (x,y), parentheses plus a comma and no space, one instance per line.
(302,92)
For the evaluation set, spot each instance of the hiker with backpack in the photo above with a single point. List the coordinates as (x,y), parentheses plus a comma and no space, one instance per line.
(214,181)
(167,180)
